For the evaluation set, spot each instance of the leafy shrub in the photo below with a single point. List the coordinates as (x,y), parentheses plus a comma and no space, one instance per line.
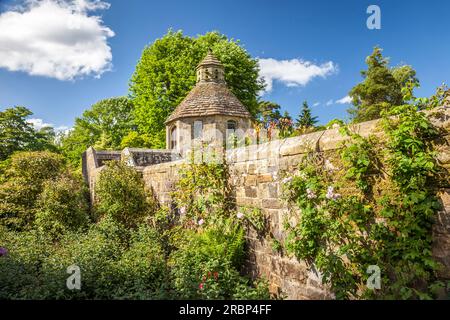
(113,263)
(120,193)
(24,180)
(62,206)
(207,262)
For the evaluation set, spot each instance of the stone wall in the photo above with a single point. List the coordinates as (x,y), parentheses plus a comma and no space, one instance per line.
(93,161)
(256,172)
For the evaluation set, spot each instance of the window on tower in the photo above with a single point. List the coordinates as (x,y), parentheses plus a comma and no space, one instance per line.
(173,138)
(198,129)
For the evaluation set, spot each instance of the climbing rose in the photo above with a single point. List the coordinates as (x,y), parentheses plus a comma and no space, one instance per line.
(286,180)
(331,195)
(310,194)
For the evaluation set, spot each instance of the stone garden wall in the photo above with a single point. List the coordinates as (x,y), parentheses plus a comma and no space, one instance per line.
(256,174)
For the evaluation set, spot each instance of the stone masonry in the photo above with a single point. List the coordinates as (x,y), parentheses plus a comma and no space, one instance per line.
(255,173)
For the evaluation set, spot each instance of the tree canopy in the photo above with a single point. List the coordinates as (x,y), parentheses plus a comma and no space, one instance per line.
(381,88)
(103,126)
(17,134)
(166,73)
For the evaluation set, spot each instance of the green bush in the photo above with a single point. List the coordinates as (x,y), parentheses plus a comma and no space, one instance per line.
(23,183)
(114,264)
(207,263)
(120,194)
(62,206)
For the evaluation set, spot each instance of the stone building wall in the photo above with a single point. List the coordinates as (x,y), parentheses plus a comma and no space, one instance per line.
(256,173)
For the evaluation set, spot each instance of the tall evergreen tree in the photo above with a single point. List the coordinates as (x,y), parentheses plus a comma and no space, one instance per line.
(381,88)
(305,119)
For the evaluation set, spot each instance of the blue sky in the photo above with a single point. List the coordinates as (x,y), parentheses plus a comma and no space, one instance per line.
(310,33)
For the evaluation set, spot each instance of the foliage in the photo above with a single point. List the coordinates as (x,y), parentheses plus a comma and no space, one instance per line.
(206,264)
(104,126)
(270,112)
(208,248)
(112,264)
(203,190)
(374,208)
(135,140)
(305,119)
(166,73)
(120,194)
(62,206)
(16,134)
(381,89)
(24,182)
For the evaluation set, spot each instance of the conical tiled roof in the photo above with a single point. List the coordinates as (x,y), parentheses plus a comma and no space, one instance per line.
(210,96)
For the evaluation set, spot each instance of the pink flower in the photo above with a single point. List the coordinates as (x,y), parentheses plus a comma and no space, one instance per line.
(331,195)
(310,194)
(183,210)
(200,222)
(240,215)
(286,180)
(200,286)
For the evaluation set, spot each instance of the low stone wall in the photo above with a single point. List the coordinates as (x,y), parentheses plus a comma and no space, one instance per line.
(255,173)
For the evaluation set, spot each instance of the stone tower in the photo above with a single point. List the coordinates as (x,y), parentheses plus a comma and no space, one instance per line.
(210,115)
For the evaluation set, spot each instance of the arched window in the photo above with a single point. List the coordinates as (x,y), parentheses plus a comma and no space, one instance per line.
(197,129)
(173,138)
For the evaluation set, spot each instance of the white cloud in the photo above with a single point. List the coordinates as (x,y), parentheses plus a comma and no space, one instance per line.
(316,104)
(329,102)
(344,100)
(55,38)
(293,72)
(38,124)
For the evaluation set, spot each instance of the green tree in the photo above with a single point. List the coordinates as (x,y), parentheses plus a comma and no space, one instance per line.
(103,126)
(270,112)
(305,118)
(166,73)
(381,88)
(24,181)
(16,134)
(120,194)
(63,206)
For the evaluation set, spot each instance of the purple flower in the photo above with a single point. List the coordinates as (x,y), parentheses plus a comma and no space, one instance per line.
(3,251)
(240,215)
(200,222)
